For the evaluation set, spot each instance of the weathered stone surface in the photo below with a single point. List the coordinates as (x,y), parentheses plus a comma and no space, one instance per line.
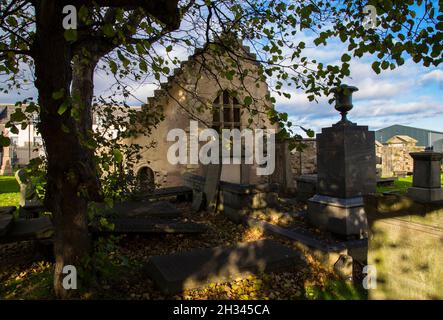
(306,186)
(7,210)
(211,186)
(6,221)
(343,267)
(180,191)
(426,185)
(427,169)
(304,161)
(193,269)
(160,209)
(343,216)
(27,189)
(346,161)
(138,225)
(198,201)
(39,228)
(406,256)
(31,210)
(394,154)
(346,172)
(426,194)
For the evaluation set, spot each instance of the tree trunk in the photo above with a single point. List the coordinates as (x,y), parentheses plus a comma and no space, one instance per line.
(70,177)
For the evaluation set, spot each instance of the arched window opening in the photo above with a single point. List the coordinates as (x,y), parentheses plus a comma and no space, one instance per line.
(226,112)
(145,179)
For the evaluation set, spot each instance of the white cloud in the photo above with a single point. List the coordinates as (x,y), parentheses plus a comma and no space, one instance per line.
(434,75)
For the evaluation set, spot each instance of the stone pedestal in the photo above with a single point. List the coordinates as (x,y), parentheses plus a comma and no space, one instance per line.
(346,171)
(426,184)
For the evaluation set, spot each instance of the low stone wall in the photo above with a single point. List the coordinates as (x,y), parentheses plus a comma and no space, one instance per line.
(393,156)
(405,242)
(306,186)
(304,161)
(238,199)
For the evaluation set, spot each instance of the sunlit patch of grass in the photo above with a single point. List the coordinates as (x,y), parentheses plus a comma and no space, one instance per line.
(34,282)
(9,199)
(336,290)
(8,184)
(9,191)
(401,185)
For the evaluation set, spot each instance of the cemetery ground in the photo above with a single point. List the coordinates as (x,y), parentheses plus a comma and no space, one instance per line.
(26,271)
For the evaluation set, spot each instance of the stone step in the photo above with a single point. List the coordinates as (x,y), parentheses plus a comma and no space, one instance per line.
(193,269)
(6,221)
(142,225)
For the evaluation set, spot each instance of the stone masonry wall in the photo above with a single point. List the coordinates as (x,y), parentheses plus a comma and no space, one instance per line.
(394,157)
(304,162)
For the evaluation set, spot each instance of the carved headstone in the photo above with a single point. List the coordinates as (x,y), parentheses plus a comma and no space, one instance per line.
(211,187)
(30,205)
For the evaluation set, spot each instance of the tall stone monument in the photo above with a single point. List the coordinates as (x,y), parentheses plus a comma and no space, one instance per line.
(346,166)
(426,183)
(6,167)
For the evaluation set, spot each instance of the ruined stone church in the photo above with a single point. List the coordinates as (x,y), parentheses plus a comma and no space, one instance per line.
(200,90)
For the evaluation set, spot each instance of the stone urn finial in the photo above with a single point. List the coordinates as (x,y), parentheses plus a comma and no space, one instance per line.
(343,101)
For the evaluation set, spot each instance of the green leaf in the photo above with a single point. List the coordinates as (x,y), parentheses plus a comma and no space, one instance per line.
(117,155)
(63,107)
(14,129)
(376,67)
(108,30)
(113,66)
(70,35)
(345,57)
(4,141)
(247,101)
(58,94)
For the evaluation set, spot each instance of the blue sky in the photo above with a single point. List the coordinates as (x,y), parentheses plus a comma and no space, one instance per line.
(409,95)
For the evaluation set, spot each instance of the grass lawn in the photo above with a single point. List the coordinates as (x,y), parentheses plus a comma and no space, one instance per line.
(9,191)
(401,185)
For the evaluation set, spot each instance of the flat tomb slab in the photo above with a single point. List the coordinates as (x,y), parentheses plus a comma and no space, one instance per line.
(28,229)
(161,209)
(6,221)
(171,192)
(196,268)
(7,209)
(141,225)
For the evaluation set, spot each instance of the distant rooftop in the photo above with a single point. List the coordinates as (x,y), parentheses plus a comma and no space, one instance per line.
(409,127)
(424,137)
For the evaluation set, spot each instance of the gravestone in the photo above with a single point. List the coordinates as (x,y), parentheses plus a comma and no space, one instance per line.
(198,201)
(30,205)
(426,183)
(346,171)
(211,186)
(6,168)
(196,268)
